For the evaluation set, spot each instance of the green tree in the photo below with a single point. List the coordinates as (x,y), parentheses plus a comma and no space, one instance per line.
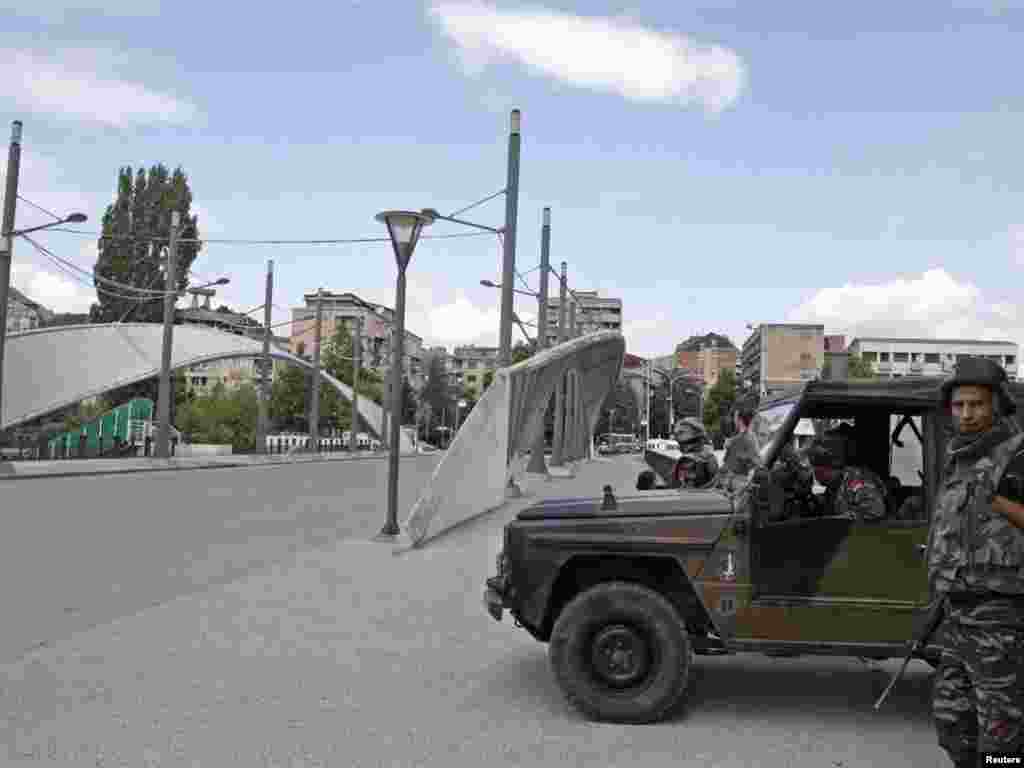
(436,394)
(223,417)
(719,400)
(488,380)
(409,403)
(135,226)
(288,399)
(859,368)
(522,351)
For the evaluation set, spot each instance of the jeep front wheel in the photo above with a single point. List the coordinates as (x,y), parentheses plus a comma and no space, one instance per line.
(620,654)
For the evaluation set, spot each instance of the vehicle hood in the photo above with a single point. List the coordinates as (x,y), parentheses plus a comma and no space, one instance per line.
(649,504)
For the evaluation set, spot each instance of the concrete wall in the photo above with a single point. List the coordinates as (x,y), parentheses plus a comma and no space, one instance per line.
(202,449)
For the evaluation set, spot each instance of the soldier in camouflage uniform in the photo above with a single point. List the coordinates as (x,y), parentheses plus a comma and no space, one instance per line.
(976,564)
(850,490)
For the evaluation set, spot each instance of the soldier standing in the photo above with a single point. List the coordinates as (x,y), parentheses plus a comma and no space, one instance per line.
(976,564)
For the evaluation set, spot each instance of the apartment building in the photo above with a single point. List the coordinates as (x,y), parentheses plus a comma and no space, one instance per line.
(23,314)
(469,364)
(593,313)
(231,372)
(705,357)
(342,308)
(780,355)
(897,357)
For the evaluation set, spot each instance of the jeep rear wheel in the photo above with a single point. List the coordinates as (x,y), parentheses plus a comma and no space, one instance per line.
(620,654)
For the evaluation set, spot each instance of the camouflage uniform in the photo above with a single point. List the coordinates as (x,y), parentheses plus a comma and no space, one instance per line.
(857,493)
(976,563)
(795,476)
(854,491)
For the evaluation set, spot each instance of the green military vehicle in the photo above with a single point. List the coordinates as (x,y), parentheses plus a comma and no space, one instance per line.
(625,591)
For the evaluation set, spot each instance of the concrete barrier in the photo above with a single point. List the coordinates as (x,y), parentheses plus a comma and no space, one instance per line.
(488,449)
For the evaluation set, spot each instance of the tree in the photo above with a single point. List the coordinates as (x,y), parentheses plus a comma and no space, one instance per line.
(409,404)
(222,417)
(135,226)
(719,400)
(859,368)
(488,380)
(288,399)
(436,394)
(522,351)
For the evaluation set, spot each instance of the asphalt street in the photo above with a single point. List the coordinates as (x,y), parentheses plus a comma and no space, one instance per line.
(347,655)
(77,551)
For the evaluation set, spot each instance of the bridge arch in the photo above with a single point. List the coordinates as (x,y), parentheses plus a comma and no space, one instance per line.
(48,369)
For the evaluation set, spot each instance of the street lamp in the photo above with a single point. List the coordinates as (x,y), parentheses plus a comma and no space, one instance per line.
(404,228)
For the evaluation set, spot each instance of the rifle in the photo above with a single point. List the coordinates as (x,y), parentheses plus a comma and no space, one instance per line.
(934,617)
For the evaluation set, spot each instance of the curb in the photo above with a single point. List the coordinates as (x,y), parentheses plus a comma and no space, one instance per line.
(178,468)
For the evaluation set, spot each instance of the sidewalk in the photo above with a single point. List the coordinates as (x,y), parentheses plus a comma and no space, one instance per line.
(23,470)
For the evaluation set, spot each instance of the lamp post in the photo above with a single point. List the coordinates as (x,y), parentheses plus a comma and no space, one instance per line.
(404,229)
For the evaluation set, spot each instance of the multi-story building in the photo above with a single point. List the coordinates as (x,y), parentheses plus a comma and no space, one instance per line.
(666,362)
(342,308)
(781,355)
(231,372)
(469,364)
(593,313)
(705,357)
(896,357)
(23,314)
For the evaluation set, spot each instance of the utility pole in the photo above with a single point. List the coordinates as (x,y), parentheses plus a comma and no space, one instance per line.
(7,241)
(357,355)
(262,424)
(314,405)
(537,463)
(509,242)
(163,438)
(558,435)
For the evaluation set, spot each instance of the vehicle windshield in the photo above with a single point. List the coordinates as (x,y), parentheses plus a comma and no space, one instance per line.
(767,423)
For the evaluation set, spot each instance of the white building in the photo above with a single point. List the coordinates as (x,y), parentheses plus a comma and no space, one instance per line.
(893,358)
(593,313)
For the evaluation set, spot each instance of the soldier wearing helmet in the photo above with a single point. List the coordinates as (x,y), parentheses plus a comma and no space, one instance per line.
(976,565)
(850,489)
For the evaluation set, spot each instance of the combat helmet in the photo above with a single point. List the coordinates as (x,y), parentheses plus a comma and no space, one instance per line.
(979,371)
(690,434)
(836,448)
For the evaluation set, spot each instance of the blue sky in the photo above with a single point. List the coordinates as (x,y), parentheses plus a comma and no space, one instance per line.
(710,163)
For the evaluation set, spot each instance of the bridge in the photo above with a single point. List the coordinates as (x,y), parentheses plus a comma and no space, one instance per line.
(48,369)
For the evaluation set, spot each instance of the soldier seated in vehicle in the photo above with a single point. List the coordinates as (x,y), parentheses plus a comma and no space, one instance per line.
(851,489)
(795,476)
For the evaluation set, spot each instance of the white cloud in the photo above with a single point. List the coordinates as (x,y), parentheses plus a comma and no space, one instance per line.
(51,288)
(934,305)
(74,87)
(604,54)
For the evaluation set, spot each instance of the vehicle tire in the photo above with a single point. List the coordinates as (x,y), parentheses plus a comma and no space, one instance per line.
(621,654)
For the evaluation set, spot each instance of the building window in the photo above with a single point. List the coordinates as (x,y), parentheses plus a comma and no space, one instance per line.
(900,357)
(931,357)
(1011,360)
(883,357)
(869,357)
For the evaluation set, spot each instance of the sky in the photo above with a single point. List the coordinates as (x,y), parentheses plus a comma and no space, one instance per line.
(712,163)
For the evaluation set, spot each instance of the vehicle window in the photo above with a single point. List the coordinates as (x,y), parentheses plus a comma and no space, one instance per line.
(768,421)
(907,460)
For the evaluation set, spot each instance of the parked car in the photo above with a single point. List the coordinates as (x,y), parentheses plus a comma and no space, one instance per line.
(625,590)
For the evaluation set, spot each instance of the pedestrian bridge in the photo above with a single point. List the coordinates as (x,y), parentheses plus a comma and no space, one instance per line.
(48,369)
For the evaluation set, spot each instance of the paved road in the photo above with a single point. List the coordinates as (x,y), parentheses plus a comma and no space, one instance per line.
(350,656)
(83,550)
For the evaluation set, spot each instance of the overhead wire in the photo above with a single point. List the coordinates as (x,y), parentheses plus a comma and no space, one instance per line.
(477,203)
(40,208)
(232,241)
(92,274)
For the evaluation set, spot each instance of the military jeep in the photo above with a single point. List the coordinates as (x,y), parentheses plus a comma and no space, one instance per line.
(627,590)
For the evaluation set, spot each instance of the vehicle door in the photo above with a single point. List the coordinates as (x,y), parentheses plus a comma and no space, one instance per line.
(830,578)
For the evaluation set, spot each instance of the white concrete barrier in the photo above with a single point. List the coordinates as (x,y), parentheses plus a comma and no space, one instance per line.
(488,449)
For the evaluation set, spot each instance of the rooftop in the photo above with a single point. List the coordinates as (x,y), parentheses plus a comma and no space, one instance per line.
(896,340)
